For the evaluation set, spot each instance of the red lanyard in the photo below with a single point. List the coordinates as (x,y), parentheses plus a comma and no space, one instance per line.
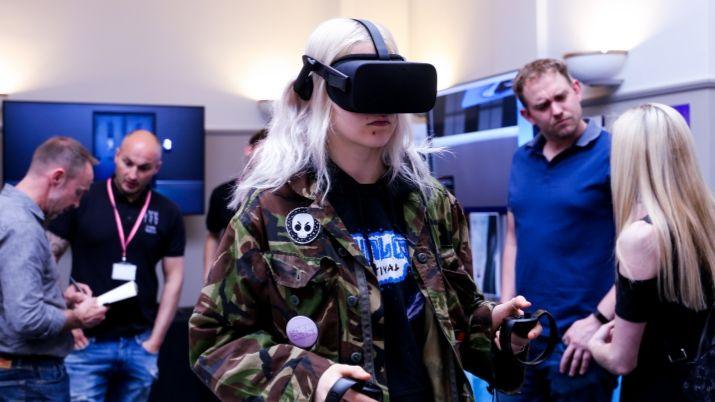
(120,228)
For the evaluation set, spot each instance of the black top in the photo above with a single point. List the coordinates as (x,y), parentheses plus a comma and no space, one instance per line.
(92,232)
(373,215)
(219,213)
(670,327)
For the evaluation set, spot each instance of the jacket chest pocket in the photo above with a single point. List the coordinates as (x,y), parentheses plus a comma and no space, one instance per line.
(305,284)
(307,287)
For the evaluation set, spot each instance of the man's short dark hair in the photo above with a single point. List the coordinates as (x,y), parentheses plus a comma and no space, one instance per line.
(62,152)
(536,69)
(257,137)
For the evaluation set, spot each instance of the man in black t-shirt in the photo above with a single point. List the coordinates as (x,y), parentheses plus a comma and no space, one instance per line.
(220,213)
(119,233)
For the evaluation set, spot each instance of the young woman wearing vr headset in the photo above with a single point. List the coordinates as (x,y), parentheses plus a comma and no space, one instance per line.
(346,271)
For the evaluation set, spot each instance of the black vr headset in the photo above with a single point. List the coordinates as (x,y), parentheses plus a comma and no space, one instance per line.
(379,83)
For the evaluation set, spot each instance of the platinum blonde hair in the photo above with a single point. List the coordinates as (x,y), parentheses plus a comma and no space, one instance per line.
(653,162)
(298,133)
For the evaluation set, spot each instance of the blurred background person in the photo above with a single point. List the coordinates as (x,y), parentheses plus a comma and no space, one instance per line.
(219,213)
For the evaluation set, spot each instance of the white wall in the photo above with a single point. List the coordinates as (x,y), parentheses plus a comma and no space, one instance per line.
(711,35)
(669,42)
(468,39)
(223,54)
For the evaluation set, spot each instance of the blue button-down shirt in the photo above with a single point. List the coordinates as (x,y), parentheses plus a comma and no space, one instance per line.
(564,225)
(32,307)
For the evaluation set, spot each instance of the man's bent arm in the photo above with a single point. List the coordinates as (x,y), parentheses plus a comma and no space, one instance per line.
(173,279)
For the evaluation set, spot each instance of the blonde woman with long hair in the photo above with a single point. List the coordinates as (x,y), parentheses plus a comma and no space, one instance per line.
(347,263)
(665,220)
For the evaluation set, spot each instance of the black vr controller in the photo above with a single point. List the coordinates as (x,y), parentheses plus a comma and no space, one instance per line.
(381,83)
(344,384)
(521,326)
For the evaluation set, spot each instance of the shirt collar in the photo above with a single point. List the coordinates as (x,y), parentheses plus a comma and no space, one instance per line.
(121,197)
(592,132)
(24,200)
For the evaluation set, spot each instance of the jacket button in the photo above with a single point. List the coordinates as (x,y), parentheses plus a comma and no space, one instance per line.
(356,357)
(294,300)
(422,257)
(342,252)
(352,301)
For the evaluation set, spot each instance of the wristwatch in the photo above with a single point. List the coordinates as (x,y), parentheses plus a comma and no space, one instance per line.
(600,317)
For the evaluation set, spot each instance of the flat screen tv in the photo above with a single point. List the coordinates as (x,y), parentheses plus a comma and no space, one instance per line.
(100,128)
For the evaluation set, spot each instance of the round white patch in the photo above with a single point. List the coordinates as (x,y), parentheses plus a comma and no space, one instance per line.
(302,228)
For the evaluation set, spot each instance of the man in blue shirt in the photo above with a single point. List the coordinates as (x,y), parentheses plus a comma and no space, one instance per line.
(560,232)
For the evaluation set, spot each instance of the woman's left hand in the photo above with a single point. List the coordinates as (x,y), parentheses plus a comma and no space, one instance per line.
(513,307)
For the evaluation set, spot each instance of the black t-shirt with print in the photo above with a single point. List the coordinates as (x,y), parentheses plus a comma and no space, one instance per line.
(374,217)
(91,230)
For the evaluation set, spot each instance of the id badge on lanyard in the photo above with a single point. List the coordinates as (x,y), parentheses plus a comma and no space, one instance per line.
(123,270)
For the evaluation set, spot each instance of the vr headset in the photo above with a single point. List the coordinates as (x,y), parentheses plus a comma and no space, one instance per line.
(379,83)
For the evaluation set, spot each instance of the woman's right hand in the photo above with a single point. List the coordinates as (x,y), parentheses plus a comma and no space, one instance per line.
(337,371)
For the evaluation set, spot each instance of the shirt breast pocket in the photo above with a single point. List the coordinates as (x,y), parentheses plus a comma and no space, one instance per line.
(305,284)
(307,287)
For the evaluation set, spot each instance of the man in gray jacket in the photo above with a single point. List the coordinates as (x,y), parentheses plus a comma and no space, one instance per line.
(35,316)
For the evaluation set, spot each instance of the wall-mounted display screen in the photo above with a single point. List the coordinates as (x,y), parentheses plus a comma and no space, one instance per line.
(100,128)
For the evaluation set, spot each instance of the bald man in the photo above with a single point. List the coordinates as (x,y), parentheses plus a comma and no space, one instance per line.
(119,233)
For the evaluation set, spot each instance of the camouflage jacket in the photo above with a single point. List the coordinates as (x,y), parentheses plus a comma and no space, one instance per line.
(261,279)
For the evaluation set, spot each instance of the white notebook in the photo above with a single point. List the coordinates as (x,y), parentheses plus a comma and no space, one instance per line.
(119,293)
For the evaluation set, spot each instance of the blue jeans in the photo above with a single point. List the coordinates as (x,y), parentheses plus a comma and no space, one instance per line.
(34,380)
(112,370)
(545,383)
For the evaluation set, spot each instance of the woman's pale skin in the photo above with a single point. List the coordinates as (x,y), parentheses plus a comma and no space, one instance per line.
(355,144)
(615,345)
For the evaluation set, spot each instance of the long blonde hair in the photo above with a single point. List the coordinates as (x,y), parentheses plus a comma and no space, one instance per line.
(299,130)
(653,162)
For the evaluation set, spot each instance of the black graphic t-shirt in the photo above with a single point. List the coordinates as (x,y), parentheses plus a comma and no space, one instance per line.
(92,232)
(374,217)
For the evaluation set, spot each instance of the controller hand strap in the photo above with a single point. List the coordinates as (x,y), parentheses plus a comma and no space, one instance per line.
(344,384)
(521,326)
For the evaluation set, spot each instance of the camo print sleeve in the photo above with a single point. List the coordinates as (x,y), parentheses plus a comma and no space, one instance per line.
(234,349)
(479,354)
